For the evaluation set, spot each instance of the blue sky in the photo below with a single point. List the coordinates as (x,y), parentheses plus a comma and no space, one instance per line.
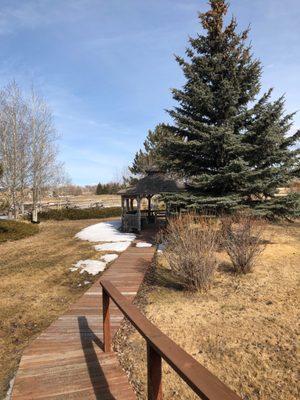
(106,67)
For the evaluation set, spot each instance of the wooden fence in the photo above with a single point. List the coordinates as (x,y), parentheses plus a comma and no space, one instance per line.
(159,346)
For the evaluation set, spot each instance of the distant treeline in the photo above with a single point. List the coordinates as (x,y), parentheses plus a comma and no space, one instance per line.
(108,188)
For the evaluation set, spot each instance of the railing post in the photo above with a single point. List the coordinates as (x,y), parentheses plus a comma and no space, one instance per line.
(106,321)
(154,374)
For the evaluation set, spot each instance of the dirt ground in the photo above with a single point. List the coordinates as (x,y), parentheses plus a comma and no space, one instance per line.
(244,329)
(36,286)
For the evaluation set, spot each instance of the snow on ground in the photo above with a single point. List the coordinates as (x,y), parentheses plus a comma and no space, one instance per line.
(10,389)
(105,232)
(114,246)
(143,244)
(109,257)
(92,267)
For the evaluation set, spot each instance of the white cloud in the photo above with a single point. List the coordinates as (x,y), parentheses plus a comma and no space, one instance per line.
(32,14)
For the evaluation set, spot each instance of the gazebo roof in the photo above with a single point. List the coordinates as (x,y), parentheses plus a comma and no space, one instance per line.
(155,182)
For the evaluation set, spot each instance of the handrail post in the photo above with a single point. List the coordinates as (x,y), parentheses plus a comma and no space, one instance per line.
(106,321)
(159,346)
(154,374)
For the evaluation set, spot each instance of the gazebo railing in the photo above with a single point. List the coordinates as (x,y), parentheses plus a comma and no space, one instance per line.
(130,221)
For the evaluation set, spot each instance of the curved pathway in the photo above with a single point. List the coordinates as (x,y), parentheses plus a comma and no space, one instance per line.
(66,361)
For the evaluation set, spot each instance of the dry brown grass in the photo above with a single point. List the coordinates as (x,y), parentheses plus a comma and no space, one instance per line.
(244,329)
(36,286)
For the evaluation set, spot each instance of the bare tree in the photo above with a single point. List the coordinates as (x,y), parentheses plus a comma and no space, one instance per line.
(28,147)
(45,170)
(14,140)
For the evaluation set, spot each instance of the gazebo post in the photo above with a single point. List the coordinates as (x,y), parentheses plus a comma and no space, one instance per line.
(123,211)
(131,204)
(139,227)
(149,206)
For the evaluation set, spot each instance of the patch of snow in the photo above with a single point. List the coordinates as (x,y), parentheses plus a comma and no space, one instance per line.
(114,246)
(143,244)
(4,217)
(10,389)
(105,232)
(109,257)
(92,267)
(86,282)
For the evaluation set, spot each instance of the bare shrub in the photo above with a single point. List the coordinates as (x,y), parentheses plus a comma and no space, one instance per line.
(242,238)
(190,245)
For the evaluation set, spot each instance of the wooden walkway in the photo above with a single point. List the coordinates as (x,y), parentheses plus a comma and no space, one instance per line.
(67,361)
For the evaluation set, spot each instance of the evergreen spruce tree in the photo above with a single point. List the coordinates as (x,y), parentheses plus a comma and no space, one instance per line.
(99,188)
(234,150)
(150,155)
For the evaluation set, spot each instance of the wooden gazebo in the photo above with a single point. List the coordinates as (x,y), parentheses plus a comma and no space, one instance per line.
(154,183)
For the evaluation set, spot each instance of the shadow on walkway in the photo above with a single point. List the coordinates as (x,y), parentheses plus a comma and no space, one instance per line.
(97,376)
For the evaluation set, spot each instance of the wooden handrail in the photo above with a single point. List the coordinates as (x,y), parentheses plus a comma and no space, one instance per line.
(202,382)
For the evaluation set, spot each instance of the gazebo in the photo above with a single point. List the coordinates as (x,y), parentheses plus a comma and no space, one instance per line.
(154,183)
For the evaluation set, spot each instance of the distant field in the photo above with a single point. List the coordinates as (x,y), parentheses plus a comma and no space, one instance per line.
(85,201)
(81,201)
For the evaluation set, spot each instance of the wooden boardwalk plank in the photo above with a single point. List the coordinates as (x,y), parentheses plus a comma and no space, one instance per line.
(67,361)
